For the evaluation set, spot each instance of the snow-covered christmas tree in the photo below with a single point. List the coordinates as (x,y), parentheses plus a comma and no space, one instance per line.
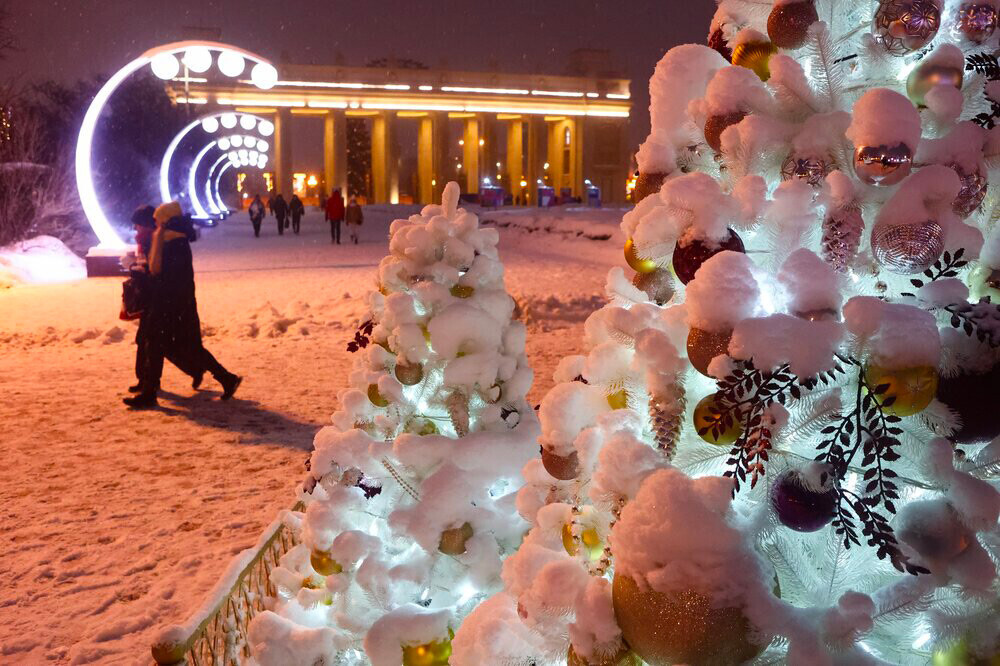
(781,447)
(410,500)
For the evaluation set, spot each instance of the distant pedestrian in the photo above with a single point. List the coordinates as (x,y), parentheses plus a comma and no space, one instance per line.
(174,329)
(256,214)
(280,209)
(335,214)
(353,217)
(296,210)
(270,202)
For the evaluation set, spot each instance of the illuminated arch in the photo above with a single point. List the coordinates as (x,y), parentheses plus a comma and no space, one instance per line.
(255,146)
(198,57)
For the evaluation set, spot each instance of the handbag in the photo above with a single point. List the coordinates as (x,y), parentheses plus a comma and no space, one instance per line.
(135,295)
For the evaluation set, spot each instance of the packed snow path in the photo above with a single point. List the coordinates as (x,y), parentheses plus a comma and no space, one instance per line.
(118,522)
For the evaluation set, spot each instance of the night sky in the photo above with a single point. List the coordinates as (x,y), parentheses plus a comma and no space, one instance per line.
(72,39)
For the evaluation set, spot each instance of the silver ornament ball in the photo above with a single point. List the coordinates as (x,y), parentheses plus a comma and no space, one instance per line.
(882,165)
(907,248)
(973,191)
(810,169)
(903,26)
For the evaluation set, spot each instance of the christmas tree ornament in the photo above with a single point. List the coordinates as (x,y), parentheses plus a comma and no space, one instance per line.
(905,249)
(706,422)
(376,397)
(912,388)
(842,228)
(788,23)
(882,165)
(933,529)
(976,21)
(961,654)
(589,540)
(682,627)
(462,291)
(618,399)
(804,499)
(755,56)
(623,657)
(635,262)
(323,564)
(984,282)
(810,169)
(973,396)
(666,417)
(658,285)
(715,124)
(903,26)
(421,427)
(703,346)
(435,653)
(647,184)
(973,191)
(688,257)
(453,539)
(409,374)
(717,42)
(925,76)
(564,468)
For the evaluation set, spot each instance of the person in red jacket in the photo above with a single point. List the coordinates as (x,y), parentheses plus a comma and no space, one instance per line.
(335,214)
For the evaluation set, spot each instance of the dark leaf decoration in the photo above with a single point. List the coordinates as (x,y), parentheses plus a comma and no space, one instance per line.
(361,337)
(981,319)
(987,65)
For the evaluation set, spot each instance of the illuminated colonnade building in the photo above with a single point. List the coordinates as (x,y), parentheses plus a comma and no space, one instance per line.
(560,131)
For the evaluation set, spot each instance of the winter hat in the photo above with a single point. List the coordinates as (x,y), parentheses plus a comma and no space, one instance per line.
(143,217)
(167,211)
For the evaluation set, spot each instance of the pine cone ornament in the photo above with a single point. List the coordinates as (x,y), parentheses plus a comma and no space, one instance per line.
(666,413)
(842,236)
(458,410)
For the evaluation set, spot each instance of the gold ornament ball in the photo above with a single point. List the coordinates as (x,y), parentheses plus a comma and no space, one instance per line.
(680,627)
(959,655)
(453,540)
(323,564)
(706,413)
(589,539)
(436,653)
(913,388)
(716,124)
(462,291)
(755,56)
(618,399)
(883,165)
(658,285)
(421,427)
(927,75)
(559,467)
(703,346)
(647,184)
(788,24)
(624,657)
(635,262)
(376,397)
(409,374)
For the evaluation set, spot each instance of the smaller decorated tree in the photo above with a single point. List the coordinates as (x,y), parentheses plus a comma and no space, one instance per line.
(410,497)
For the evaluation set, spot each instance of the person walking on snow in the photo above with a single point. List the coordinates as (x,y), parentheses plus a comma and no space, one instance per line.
(296,210)
(353,217)
(174,329)
(256,214)
(280,209)
(334,214)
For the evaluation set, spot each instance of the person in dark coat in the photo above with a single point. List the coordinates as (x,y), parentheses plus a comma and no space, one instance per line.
(144,224)
(353,217)
(280,209)
(335,214)
(256,214)
(296,210)
(173,327)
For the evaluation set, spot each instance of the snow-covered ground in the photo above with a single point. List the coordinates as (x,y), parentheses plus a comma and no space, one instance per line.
(116,523)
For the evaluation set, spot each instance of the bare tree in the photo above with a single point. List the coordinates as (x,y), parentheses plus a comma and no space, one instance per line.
(7,39)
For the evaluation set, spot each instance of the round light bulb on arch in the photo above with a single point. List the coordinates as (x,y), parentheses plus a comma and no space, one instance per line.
(231,63)
(264,75)
(253,156)
(249,142)
(262,161)
(233,156)
(210,125)
(224,144)
(228,120)
(247,122)
(243,153)
(266,128)
(198,59)
(262,145)
(165,65)
(236,141)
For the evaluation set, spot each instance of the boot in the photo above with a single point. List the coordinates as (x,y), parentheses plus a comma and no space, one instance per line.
(196,380)
(142,401)
(229,386)
(135,388)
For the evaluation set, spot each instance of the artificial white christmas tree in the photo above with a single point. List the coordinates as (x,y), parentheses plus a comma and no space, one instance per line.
(410,498)
(779,447)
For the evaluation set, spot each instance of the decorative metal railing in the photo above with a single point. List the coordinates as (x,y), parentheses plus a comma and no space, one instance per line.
(217,634)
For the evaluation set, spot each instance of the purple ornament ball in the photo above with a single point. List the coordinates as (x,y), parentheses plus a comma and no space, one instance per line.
(804,499)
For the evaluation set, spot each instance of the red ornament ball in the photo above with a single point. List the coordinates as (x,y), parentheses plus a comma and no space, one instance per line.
(788,23)
(689,257)
(717,42)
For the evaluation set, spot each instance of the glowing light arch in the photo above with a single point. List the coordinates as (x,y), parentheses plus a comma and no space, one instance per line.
(215,204)
(163,60)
